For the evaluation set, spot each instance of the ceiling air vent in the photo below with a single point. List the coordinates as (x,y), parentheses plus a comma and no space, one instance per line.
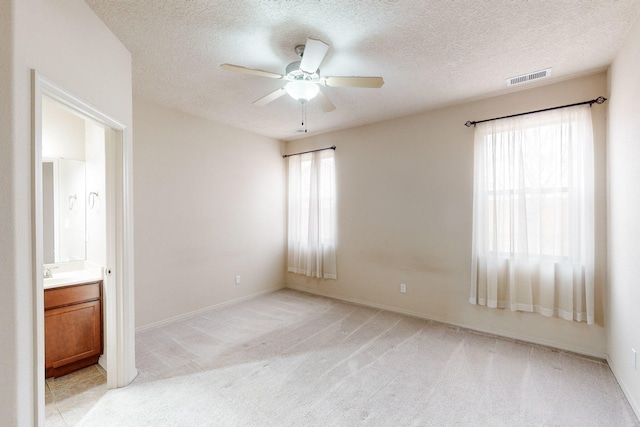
(528,77)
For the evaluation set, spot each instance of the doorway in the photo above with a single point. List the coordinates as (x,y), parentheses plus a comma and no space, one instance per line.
(105,238)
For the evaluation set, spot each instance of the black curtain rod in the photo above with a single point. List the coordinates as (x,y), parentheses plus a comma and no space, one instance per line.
(333,147)
(598,100)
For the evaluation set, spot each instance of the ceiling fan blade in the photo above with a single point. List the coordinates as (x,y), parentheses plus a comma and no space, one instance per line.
(270,97)
(252,71)
(296,131)
(314,53)
(371,82)
(326,105)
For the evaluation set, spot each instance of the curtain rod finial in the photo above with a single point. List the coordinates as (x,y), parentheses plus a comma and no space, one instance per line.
(600,100)
(468,124)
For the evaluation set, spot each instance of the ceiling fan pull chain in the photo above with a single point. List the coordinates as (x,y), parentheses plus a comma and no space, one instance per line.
(304,116)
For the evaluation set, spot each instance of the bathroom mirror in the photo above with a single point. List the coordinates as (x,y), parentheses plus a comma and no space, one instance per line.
(64,210)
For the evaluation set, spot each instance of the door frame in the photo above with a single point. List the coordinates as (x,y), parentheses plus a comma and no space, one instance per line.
(119,325)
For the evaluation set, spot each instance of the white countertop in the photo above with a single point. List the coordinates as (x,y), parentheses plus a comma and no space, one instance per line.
(65,274)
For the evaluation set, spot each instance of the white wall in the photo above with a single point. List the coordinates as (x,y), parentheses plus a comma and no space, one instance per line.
(63,138)
(15,406)
(63,133)
(96,213)
(70,46)
(71,215)
(405,216)
(623,157)
(209,206)
(67,135)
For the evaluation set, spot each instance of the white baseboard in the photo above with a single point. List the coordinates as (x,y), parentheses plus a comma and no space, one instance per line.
(634,405)
(212,307)
(503,334)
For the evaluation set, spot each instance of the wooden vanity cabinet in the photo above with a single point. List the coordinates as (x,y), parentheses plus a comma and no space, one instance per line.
(73,327)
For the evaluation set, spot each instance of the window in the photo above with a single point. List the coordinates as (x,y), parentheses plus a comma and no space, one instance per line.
(533,240)
(312,220)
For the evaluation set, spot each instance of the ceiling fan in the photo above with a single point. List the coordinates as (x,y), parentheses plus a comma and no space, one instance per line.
(304,79)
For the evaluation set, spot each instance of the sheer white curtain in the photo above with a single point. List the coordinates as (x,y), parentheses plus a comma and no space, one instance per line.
(312,219)
(533,213)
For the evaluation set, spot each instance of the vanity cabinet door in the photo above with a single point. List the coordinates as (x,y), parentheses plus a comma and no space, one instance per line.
(73,334)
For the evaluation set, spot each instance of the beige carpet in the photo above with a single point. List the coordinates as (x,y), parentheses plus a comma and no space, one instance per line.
(293,359)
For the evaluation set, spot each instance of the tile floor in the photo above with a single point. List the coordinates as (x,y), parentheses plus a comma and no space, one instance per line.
(69,398)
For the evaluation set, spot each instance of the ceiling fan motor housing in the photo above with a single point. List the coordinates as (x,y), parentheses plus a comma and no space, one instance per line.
(293,72)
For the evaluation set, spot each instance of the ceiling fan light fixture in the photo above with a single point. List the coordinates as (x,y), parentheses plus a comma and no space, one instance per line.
(302,90)
(304,78)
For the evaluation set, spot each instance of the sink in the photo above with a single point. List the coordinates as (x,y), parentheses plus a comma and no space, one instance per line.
(63,275)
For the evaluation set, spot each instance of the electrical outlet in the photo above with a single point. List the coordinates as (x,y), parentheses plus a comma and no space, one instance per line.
(633,360)
(403,288)
(237,280)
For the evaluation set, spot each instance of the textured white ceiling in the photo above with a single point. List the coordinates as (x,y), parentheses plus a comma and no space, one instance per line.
(430,53)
